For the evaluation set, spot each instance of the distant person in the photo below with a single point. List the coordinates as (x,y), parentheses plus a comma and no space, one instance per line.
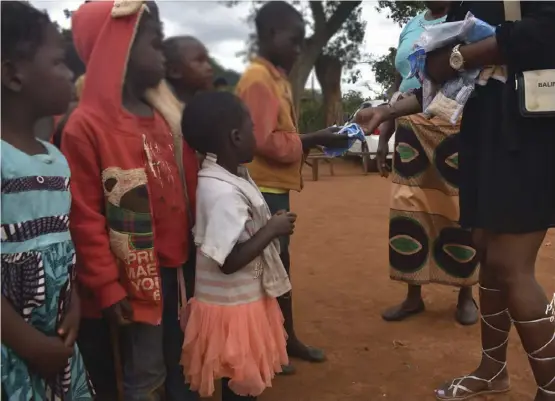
(40,304)
(235,327)
(61,121)
(279,153)
(220,84)
(426,243)
(188,67)
(133,187)
(51,127)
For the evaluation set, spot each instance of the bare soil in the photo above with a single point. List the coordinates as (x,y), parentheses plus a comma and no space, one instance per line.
(341,284)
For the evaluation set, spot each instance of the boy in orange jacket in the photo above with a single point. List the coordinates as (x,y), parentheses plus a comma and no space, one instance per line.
(280,149)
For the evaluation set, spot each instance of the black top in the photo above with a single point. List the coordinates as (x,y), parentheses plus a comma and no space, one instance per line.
(506,161)
(526,45)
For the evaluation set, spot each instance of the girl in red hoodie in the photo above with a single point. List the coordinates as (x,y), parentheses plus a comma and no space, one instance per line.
(133,198)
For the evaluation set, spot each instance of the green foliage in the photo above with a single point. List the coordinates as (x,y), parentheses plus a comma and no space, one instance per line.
(312,117)
(345,44)
(352,101)
(231,76)
(400,11)
(384,69)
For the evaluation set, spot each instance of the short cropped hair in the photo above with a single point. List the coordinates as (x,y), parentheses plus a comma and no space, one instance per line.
(23,30)
(220,81)
(273,15)
(171,48)
(208,117)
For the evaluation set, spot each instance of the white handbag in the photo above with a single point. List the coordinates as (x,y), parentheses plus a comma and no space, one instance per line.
(535,89)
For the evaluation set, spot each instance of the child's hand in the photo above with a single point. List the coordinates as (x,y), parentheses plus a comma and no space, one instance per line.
(282,223)
(120,313)
(70,325)
(50,356)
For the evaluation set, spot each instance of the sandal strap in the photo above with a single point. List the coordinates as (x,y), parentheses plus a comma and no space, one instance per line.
(544,387)
(533,355)
(456,387)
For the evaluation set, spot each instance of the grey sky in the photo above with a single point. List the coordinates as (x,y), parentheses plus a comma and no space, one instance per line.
(225,30)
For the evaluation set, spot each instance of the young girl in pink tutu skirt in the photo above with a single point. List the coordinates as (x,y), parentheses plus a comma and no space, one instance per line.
(234,329)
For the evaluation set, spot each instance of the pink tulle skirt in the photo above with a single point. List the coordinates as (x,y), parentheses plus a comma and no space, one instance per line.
(245,343)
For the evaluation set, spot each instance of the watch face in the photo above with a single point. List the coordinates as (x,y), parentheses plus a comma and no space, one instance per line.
(456,61)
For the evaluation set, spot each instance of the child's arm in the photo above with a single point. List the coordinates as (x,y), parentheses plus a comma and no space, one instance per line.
(46,355)
(97,269)
(223,224)
(243,253)
(280,146)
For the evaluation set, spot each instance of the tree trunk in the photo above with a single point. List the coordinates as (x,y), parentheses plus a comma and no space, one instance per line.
(328,72)
(323,32)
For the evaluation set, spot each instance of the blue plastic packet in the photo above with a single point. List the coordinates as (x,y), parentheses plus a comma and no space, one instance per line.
(354,132)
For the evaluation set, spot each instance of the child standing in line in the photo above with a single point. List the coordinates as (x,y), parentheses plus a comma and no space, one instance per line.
(40,309)
(188,67)
(133,202)
(235,327)
(280,150)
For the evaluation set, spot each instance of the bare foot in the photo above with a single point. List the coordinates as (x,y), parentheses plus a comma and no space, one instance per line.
(473,385)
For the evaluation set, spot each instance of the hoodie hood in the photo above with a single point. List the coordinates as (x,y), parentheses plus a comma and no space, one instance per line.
(103,33)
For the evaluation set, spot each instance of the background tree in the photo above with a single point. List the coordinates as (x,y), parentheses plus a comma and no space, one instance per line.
(384,69)
(231,76)
(400,11)
(341,54)
(384,66)
(336,31)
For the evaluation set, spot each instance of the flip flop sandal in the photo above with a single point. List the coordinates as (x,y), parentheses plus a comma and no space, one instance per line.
(462,319)
(287,370)
(402,314)
(310,354)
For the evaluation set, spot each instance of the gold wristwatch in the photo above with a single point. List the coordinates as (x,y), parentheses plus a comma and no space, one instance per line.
(456,60)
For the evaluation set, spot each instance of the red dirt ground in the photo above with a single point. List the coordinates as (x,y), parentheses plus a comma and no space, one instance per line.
(341,284)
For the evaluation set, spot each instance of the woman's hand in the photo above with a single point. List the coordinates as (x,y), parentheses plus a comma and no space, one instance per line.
(372,117)
(438,68)
(387,129)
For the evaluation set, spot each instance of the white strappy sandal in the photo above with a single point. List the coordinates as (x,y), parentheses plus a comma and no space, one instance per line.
(456,390)
(534,355)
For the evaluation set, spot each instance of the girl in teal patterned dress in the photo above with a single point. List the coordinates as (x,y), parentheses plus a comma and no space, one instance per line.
(40,309)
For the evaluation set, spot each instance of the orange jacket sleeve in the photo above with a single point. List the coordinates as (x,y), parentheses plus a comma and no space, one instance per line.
(96,265)
(283,147)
